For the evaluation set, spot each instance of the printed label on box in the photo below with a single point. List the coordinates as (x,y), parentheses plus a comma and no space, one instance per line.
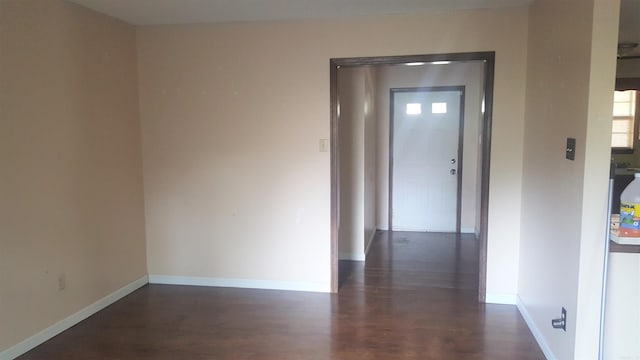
(629,220)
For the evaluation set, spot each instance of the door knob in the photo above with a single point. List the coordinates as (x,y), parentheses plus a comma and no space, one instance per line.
(453,171)
(453,161)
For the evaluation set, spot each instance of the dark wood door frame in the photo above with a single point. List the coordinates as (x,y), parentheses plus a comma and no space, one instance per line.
(488,58)
(460,159)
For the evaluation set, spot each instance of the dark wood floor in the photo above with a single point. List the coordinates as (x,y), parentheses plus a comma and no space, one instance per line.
(415,298)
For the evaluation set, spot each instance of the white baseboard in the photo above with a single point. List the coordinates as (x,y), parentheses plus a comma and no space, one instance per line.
(351,256)
(366,250)
(408,229)
(62,325)
(502,299)
(356,256)
(537,334)
(464,230)
(239,283)
(435,230)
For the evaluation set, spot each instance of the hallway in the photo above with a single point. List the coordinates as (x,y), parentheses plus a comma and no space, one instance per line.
(415,298)
(416,260)
(420,290)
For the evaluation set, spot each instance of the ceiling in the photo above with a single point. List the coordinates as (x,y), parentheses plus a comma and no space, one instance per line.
(153,12)
(630,24)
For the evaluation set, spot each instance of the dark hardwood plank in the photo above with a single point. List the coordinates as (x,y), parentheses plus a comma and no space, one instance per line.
(414,298)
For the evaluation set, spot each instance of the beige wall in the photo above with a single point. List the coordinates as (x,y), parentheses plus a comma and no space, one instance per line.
(370,156)
(351,124)
(468,74)
(235,186)
(594,226)
(71,187)
(357,160)
(569,85)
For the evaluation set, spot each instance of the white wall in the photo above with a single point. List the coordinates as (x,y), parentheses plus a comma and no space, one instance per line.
(569,94)
(468,74)
(235,187)
(622,329)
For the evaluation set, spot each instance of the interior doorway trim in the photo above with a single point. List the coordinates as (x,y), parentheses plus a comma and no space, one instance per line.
(489,64)
(392,92)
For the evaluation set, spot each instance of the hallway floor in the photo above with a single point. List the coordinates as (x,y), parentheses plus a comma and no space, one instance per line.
(415,298)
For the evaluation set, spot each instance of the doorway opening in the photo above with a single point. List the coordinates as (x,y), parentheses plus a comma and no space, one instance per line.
(486,61)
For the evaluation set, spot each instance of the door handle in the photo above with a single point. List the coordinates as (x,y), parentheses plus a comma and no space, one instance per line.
(453,171)
(453,161)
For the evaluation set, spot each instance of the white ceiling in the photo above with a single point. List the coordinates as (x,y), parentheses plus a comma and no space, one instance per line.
(153,12)
(630,23)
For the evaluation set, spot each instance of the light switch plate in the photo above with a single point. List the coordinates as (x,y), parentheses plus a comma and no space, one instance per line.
(571,149)
(323,145)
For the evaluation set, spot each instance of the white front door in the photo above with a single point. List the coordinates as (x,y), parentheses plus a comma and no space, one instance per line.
(426,130)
